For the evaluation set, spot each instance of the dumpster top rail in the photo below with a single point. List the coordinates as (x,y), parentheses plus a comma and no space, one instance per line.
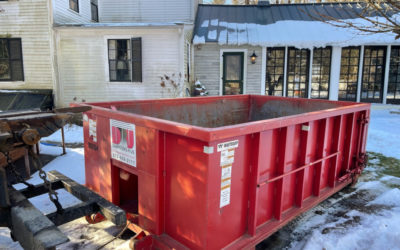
(212,118)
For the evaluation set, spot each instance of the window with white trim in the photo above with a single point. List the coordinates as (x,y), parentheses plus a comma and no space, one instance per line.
(125,60)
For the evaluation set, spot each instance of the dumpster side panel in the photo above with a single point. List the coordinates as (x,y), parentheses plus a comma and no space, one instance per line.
(228,221)
(186,182)
(299,165)
(98,176)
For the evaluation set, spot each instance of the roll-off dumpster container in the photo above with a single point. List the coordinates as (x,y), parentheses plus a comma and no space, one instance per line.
(221,172)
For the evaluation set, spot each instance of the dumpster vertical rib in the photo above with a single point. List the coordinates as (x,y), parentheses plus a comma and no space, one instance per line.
(304,158)
(280,171)
(321,153)
(257,144)
(338,137)
(364,133)
(351,122)
(285,151)
(161,144)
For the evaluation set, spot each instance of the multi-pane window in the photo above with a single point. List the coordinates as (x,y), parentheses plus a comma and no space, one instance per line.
(393,94)
(94,10)
(349,73)
(125,59)
(321,68)
(74,5)
(274,73)
(373,73)
(11,66)
(297,72)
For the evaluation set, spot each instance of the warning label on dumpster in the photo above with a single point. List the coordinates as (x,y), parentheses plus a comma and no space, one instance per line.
(227,150)
(226,172)
(225,196)
(123,142)
(227,157)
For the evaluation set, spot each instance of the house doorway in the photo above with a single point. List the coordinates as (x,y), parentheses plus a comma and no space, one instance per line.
(233,69)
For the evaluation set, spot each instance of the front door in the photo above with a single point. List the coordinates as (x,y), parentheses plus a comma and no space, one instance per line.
(232,78)
(373,74)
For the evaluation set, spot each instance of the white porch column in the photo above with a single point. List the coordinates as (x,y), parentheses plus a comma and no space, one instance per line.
(386,77)
(360,73)
(335,73)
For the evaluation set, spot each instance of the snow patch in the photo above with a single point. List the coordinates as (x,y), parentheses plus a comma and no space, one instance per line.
(389,198)
(72,134)
(383,131)
(212,34)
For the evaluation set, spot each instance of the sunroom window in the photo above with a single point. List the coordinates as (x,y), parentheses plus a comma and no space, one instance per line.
(349,73)
(274,72)
(321,68)
(297,72)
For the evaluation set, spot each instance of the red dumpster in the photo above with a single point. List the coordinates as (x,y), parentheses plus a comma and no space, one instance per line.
(221,172)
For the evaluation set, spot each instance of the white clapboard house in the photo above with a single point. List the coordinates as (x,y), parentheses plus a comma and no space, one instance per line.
(89,50)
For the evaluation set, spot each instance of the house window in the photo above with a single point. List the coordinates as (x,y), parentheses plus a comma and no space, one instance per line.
(349,74)
(125,60)
(274,72)
(393,94)
(94,10)
(74,5)
(321,68)
(11,66)
(297,72)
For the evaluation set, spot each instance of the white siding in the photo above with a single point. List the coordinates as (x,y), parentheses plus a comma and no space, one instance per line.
(207,67)
(63,14)
(30,21)
(83,63)
(147,10)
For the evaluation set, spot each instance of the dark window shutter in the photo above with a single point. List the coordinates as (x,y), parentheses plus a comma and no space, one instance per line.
(136,59)
(15,49)
(17,70)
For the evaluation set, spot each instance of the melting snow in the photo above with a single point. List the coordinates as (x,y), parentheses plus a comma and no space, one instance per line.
(384,130)
(72,134)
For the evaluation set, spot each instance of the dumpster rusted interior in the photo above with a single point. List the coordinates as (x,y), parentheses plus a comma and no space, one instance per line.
(223,112)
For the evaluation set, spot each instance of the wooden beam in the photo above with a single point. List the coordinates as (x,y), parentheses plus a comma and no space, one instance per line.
(113,213)
(30,227)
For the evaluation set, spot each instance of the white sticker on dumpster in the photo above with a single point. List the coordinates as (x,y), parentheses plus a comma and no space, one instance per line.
(226,172)
(227,145)
(123,142)
(225,198)
(93,130)
(227,157)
